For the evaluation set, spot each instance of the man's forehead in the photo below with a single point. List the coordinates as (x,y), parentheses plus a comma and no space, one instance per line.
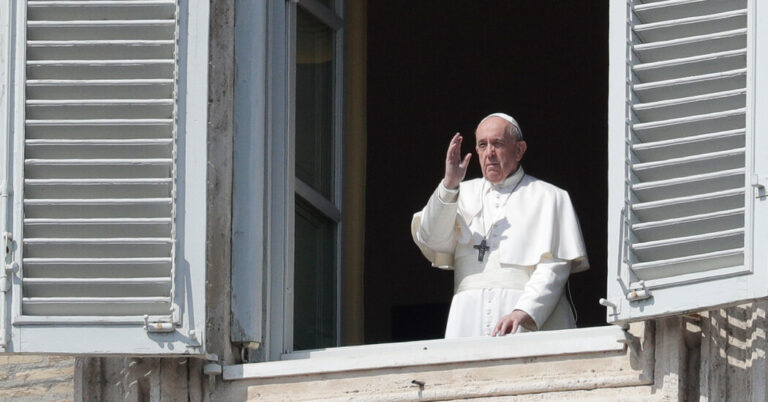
(491,128)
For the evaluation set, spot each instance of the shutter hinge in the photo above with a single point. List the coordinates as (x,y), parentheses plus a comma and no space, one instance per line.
(9,263)
(212,367)
(759,186)
(638,291)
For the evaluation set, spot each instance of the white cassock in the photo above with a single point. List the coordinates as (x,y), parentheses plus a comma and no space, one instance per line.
(534,242)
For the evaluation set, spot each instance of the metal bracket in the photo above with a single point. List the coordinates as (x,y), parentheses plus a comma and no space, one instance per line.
(158,326)
(9,265)
(759,186)
(638,291)
(609,304)
(212,368)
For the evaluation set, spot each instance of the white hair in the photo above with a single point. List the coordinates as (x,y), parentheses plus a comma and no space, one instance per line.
(513,129)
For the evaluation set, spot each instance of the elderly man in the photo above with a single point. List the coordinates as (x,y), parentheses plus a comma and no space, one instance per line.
(511,238)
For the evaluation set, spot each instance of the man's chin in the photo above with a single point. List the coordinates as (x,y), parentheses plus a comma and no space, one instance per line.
(494,177)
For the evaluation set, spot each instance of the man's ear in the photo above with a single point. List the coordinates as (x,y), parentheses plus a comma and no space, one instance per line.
(521,148)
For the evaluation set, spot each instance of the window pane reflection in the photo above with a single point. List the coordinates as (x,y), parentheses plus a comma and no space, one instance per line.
(314,302)
(314,103)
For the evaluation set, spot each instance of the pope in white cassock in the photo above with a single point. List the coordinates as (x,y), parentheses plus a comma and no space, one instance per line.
(511,238)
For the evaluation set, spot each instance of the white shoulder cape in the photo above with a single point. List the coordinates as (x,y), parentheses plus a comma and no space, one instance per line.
(539,224)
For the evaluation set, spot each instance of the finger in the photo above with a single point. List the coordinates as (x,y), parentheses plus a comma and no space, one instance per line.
(456,140)
(508,325)
(515,325)
(496,329)
(454,146)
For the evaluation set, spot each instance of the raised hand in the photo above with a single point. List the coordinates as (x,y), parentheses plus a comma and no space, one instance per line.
(455,167)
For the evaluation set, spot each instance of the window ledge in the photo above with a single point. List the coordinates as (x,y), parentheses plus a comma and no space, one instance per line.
(431,352)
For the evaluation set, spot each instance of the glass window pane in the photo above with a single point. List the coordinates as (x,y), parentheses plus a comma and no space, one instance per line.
(326,3)
(314,103)
(314,300)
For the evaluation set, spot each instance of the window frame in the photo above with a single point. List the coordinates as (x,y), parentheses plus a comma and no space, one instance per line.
(265,186)
(330,208)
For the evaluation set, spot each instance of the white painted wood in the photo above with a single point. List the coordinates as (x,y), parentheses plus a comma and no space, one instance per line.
(6,128)
(683,147)
(440,351)
(278,195)
(250,172)
(110,201)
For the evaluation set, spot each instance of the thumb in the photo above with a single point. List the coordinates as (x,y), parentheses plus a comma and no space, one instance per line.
(465,162)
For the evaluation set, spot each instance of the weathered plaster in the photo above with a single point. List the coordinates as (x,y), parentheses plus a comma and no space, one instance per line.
(220,140)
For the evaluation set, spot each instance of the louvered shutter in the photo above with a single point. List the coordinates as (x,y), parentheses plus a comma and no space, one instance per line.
(681,145)
(109,178)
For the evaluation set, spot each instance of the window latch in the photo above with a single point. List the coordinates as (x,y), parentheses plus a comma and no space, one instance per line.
(158,326)
(638,291)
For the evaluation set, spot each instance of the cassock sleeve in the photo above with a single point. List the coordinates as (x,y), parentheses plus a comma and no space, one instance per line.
(542,292)
(434,228)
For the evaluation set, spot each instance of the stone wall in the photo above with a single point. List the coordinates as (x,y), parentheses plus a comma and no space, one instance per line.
(37,378)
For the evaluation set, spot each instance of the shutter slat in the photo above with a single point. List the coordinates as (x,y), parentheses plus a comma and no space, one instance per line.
(696,79)
(642,47)
(681,22)
(95,306)
(688,140)
(112,161)
(668,29)
(692,46)
(110,240)
(689,245)
(102,122)
(689,185)
(104,267)
(86,182)
(99,82)
(681,61)
(100,23)
(688,99)
(689,264)
(689,225)
(685,106)
(689,119)
(97,261)
(677,9)
(689,165)
(99,201)
(687,159)
(688,205)
(107,3)
(96,102)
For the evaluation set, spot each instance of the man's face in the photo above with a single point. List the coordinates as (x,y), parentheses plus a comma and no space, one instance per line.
(499,153)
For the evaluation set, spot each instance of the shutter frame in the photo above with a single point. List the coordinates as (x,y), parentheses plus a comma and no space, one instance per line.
(134,333)
(724,284)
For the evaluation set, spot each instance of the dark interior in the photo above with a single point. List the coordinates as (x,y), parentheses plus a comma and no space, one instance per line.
(435,68)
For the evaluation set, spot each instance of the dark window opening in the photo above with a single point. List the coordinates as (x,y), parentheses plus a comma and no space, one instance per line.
(435,68)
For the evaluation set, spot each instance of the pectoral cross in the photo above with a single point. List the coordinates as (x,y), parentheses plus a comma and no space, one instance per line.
(481,249)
